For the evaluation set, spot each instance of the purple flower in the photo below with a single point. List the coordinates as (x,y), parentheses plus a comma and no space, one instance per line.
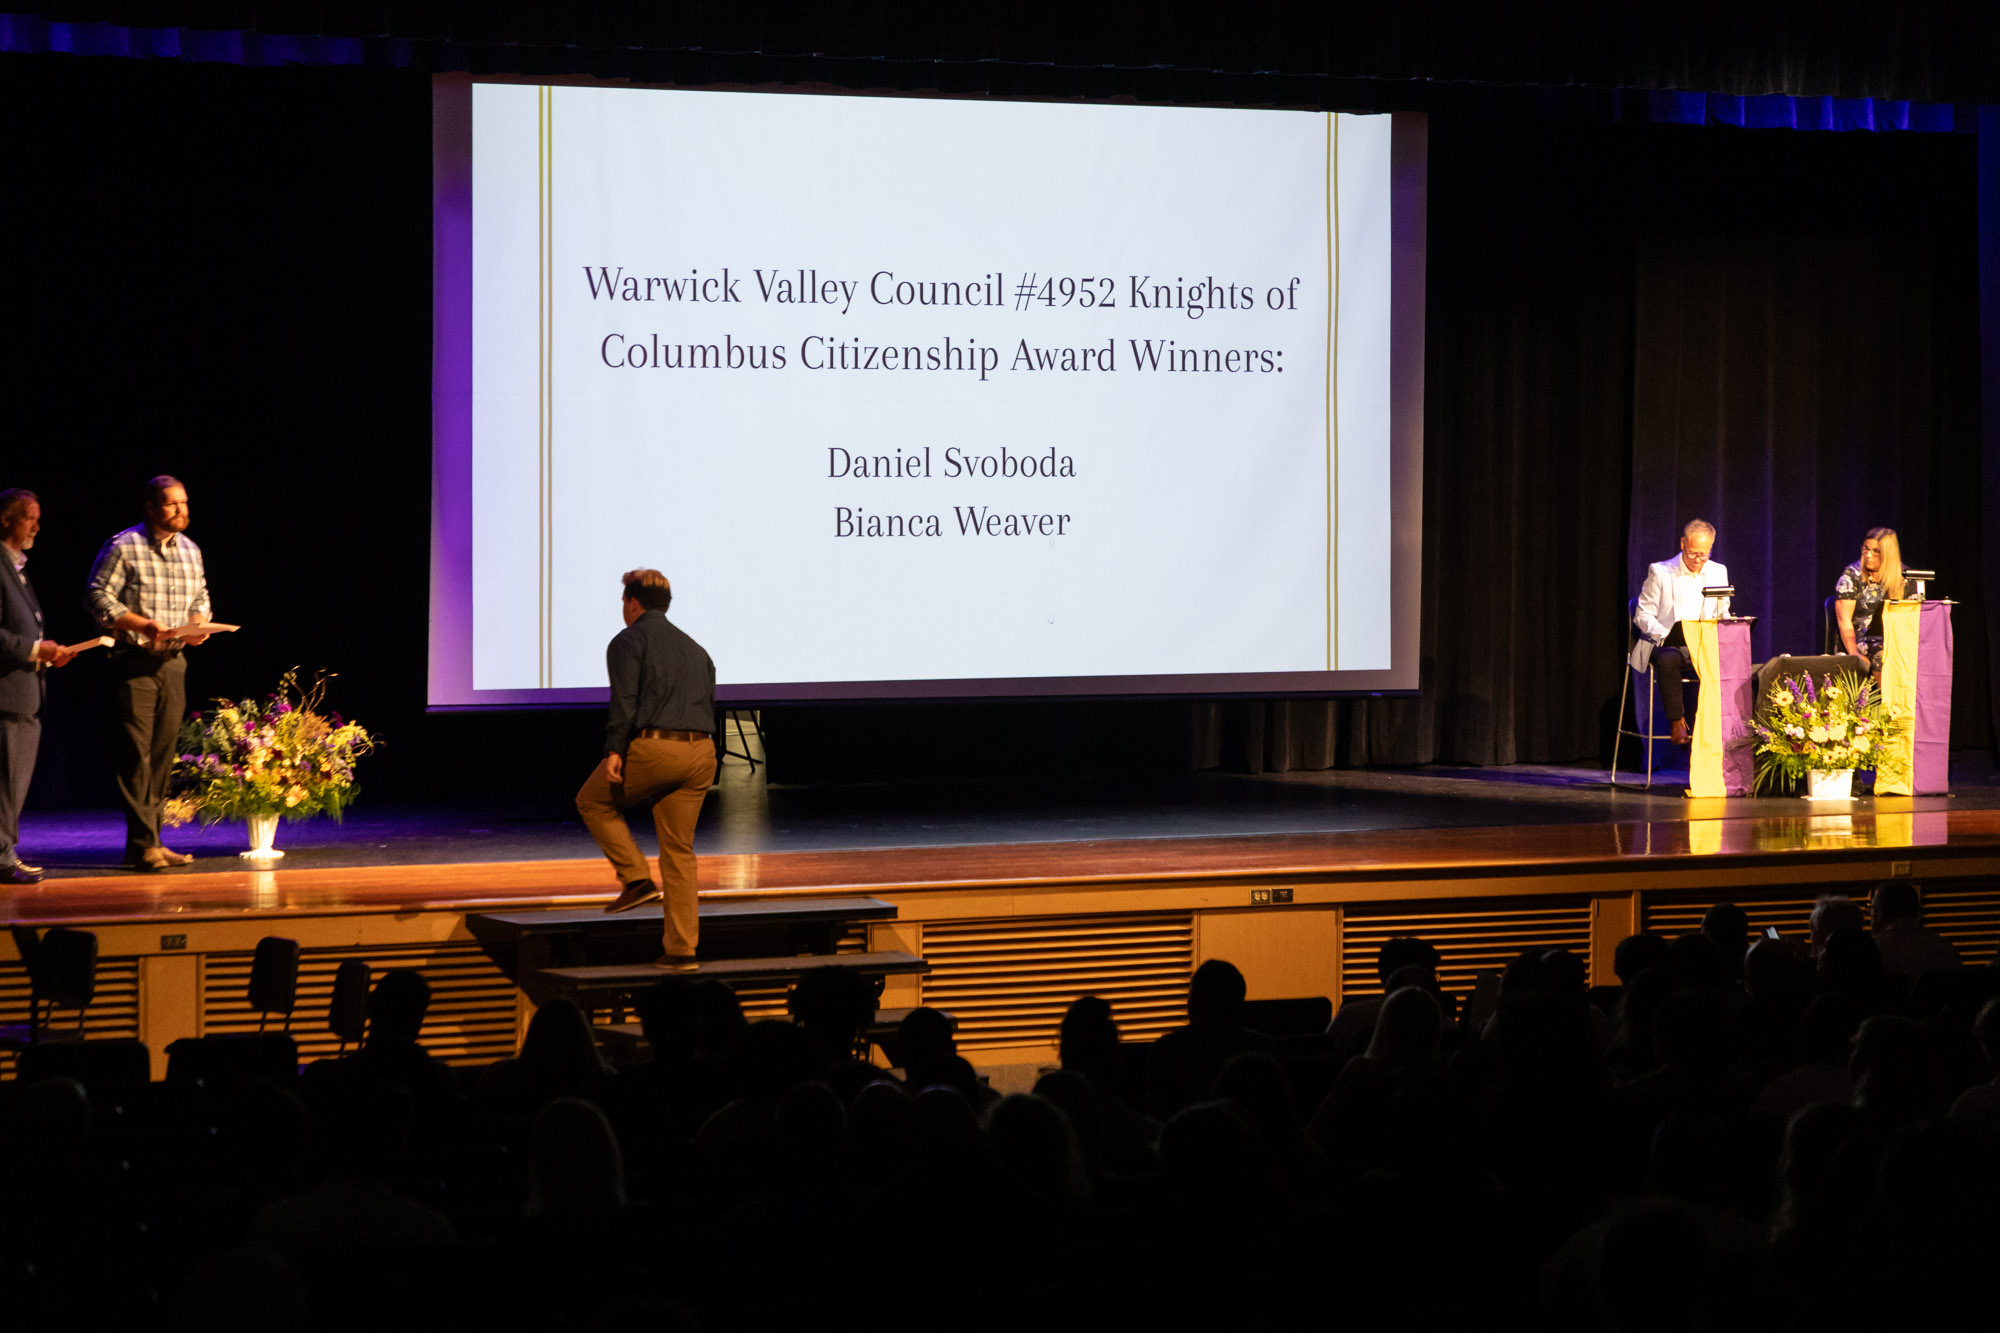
(1811,696)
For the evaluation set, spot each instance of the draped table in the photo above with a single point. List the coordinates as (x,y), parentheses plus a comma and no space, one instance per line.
(1721,761)
(1915,758)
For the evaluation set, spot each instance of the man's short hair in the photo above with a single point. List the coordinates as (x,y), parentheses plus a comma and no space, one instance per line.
(1215,993)
(1896,900)
(1698,525)
(1835,912)
(1725,923)
(13,500)
(1401,951)
(1639,953)
(649,588)
(397,1005)
(157,488)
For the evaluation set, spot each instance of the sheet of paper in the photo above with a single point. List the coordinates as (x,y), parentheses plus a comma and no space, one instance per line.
(206,627)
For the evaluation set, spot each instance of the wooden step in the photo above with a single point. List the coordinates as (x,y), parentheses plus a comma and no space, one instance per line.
(499,926)
(529,944)
(625,1041)
(600,985)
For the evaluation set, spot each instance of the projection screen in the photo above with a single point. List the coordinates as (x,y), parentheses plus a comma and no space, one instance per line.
(914,397)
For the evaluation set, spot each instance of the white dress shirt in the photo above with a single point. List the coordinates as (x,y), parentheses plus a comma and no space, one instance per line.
(1671,594)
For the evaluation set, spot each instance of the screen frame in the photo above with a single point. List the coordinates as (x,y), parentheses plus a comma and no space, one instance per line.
(449,676)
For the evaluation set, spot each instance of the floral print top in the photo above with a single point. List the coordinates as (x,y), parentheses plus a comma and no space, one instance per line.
(1867,598)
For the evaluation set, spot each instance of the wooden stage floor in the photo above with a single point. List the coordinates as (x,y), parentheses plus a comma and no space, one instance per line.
(1019,900)
(1711,837)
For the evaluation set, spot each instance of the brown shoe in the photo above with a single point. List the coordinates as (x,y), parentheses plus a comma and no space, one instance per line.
(638,892)
(1680,731)
(685,962)
(170,857)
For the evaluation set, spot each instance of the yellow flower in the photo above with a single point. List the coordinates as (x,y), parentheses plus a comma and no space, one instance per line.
(294,795)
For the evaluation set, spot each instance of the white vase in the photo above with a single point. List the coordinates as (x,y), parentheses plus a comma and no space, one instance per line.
(1829,784)
(263,832)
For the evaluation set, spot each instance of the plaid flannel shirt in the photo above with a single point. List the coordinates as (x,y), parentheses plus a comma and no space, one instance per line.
(162,580)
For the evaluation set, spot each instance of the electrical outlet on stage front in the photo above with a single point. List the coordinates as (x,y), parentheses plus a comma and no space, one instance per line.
(1260,897)
(1281,895)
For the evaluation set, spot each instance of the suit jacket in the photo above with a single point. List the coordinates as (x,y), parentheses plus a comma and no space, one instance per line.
(1671,595)
(21,686)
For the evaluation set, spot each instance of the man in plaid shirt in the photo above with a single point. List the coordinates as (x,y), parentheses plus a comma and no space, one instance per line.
(149,581)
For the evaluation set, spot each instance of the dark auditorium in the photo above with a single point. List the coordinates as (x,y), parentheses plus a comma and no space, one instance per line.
(749,667)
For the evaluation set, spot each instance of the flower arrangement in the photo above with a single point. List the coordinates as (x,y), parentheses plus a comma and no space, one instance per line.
(283,756)
(1840,724)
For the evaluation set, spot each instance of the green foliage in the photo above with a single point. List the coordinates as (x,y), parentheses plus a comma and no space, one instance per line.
(1840,724)
(283,756)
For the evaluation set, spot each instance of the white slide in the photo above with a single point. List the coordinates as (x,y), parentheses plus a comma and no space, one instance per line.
(926,391)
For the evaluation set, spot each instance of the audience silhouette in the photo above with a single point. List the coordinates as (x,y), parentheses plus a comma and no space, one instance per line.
(1746,1132)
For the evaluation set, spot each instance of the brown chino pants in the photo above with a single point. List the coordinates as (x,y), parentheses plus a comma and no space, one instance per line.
(670,777)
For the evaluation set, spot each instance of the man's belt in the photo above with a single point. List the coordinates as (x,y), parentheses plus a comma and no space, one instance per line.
(656,734)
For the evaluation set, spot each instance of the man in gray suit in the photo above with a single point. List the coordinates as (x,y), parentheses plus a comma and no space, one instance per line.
(23,655)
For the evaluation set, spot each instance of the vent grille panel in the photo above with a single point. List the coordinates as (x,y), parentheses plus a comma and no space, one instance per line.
(1469,940)
(113,1013)
(1671,917)
(473,1011)
(1009,982)
(1967,915)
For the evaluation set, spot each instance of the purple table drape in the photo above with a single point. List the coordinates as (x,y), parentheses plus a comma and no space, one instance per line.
(1930,758)
(1723,760)
(1737,697)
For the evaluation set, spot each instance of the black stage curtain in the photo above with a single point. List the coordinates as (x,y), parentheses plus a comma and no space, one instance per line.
(1774,330)
(1527,397)
(1806,368)
(224,273)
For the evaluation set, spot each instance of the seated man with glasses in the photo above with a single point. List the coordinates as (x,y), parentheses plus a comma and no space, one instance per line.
(1672,593)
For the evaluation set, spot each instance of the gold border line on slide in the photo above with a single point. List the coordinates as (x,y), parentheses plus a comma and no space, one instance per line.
(1332,386)
(549,341)
(544,423)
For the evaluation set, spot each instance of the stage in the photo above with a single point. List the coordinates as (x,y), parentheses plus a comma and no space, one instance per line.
(1021,898)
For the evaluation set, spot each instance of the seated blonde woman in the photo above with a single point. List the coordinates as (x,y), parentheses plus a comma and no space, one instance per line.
(1875,578)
